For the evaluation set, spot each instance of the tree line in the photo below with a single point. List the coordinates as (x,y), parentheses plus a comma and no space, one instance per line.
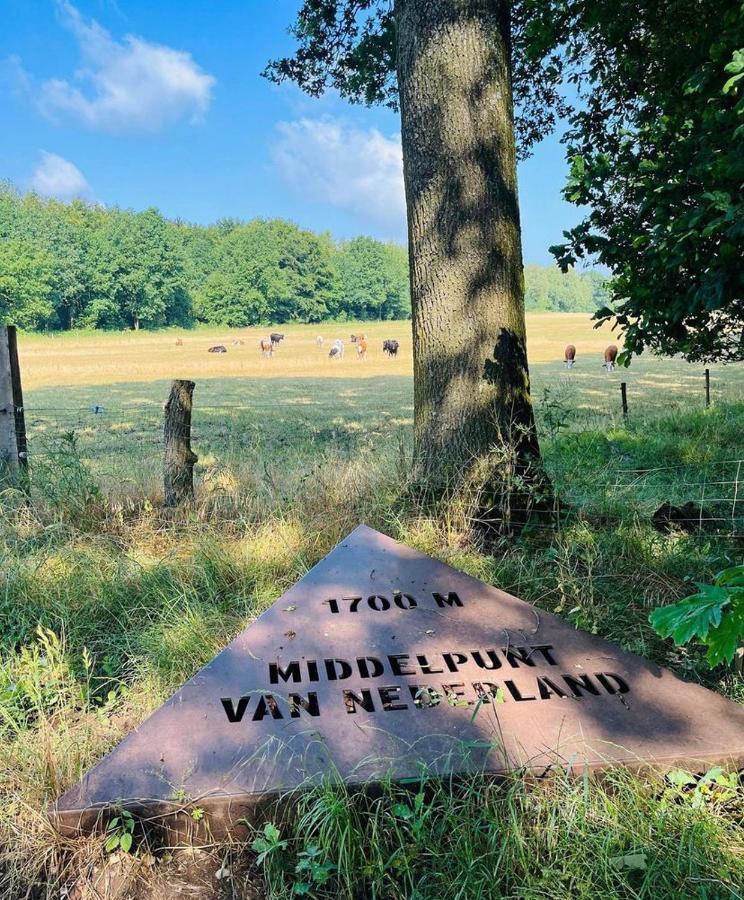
(81,265)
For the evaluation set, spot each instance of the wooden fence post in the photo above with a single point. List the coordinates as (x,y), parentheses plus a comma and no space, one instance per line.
(624,397)
(13,453)
(178,468)
(707,388)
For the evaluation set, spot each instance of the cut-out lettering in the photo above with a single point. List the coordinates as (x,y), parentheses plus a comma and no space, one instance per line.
(426,666)
(267,704)
(580,684)
(516,693)
(235,714)
(352,699)
(389,696)
(404,601)
(517,655)
(291,673)
(548,688)
(453,660)
(492,661)
(378,603)
(620,687)
(310,704)
(397,664)
(337,669)
(450,600)
(364,663)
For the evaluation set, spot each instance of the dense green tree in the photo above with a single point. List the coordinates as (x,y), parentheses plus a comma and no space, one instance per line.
(147,271)
(26,277)
(374,281)
(549,290)
(105,265)
(225,300)
(656,147)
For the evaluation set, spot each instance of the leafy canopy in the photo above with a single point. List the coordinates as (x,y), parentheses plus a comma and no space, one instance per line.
(349,46)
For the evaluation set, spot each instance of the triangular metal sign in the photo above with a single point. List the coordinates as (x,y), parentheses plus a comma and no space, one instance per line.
(382,660)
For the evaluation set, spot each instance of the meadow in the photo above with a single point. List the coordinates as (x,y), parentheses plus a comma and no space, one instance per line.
(108,603)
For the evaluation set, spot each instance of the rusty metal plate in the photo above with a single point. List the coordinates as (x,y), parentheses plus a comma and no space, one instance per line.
(380,660)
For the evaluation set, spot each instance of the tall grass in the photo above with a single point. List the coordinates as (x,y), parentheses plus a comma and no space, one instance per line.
(108,603)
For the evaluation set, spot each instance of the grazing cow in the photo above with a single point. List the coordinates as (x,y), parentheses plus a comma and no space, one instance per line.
(337,349)
(610,356)
(267,347)
(179,342)
(276,337)
(390,347)
(218,348)
(569,356)
(361,346)
(319,340)
(237,343)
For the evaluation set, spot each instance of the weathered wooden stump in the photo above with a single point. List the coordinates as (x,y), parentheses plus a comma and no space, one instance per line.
(13,453)
(178,466)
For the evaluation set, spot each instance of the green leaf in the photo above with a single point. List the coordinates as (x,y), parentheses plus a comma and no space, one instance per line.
(680,778)
(402,811)
(692,617)
(635,862)
(125,842)
(271,832)
(112,843)
(723,641)
(733,576)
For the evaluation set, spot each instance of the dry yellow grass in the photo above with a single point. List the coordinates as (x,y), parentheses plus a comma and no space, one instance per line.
(104,358)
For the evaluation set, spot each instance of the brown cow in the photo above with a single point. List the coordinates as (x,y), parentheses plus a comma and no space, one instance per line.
(610,356)
(267,347)
(569,356)
(361,346)
(179,342)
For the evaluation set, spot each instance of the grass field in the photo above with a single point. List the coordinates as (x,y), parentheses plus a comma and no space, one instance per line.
(108,603)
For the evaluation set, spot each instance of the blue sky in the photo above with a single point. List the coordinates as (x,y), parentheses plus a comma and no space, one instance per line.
(142,103)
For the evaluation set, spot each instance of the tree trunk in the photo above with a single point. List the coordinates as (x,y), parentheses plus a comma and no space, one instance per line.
(472,411)
(178,468)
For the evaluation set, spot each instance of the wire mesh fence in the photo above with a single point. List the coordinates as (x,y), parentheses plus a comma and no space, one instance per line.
(268,442)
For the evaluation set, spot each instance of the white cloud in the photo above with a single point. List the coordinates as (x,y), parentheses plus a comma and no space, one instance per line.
(125,85)
(58,177)
(360,171)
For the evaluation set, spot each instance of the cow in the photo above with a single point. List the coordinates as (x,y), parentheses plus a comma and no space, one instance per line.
(266,346)
(569,356)
(238,343)
(179,342)
(390,347)
(610,356)
(276,337)
(319,340)
(218,348)
(361,346)
(355,338)
(337,349)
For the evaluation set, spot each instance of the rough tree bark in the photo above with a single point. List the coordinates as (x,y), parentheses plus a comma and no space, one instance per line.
(178,467)
(471,382)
